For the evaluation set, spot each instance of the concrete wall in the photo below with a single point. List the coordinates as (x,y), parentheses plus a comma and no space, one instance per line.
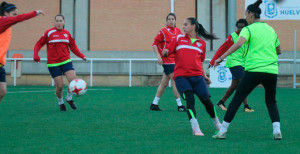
(116,80)
(117,67)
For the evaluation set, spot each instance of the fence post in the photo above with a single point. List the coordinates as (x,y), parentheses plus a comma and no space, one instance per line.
(91,73)
(15,72)
(130,72)
(295,58)
(52,84)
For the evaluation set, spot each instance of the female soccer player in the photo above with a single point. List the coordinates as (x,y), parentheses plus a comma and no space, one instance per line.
(58,42)
(8,17)
(165,36)
(235,64)
(189,74)
(261,67)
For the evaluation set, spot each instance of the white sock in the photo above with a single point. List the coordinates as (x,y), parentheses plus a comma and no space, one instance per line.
(224,127)
(276,127)
(69,96)
(216,120)
(194,124)
(178,100)
(60,101)
(155,101)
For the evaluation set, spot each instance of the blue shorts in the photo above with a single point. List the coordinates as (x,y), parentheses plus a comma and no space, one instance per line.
(2,74)
(237,72)
(60,70)
(197,84)
(168,68)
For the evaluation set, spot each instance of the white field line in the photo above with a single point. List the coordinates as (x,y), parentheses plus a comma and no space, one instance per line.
(45,91)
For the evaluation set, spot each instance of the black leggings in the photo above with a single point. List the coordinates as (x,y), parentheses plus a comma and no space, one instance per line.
(248,83)
(190,101)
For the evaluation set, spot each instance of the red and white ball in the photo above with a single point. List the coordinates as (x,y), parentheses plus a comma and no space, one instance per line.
(78,87)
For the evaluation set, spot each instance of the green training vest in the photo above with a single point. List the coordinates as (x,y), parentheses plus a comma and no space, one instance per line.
(260,49)
(236,58)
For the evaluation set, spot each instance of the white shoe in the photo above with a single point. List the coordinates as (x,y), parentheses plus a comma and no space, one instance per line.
(197,132)
(220,135)
(277,136)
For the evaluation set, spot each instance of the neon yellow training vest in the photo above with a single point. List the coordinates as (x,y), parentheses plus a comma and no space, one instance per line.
(260,49)
(236,58)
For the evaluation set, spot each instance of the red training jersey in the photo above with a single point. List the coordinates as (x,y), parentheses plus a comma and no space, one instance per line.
(188,56)
(224,47)
(58,43)
(163,38)
(5,32)
(6,22)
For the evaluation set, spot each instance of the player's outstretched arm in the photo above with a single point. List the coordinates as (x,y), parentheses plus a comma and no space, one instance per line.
(75,49)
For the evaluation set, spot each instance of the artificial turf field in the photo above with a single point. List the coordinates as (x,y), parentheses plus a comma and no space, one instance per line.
(118,120)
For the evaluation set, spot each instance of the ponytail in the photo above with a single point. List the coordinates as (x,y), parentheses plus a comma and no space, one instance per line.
(200,30)
(254,8)
(5,7)
(203,33)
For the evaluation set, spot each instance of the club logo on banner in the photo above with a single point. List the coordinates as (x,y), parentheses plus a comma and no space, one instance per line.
(220,76)
(271,9)
(278,10)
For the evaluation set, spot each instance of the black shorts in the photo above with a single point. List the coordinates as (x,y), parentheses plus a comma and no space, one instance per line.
(237,72)
(2,74)
(168,68)
(56,71)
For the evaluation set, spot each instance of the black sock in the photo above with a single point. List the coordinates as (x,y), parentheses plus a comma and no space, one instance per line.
(221,102)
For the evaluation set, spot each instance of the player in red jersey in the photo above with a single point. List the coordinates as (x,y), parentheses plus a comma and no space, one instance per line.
(165,36)
(58,42)
(9,17)
(189,74)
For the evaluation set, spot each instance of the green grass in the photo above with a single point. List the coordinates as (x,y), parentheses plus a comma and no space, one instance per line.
(118,120)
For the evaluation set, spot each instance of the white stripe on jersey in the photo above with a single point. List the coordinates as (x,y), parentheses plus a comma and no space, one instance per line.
(50,32)
(188,47)
(62,40)
(179,36)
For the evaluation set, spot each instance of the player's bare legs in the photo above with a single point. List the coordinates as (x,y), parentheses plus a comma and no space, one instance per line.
(59,92)
(3,90)
(70,75)
(229,92)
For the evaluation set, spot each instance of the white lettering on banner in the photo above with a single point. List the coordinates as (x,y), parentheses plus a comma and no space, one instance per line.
(271,10)
(220,76)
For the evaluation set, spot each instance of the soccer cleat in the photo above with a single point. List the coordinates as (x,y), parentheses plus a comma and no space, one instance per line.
(72,104)
(154,107)
(62,107)
(222,106)
(248,109)
(181,108)
(197,132)
(219,135)
(277,136)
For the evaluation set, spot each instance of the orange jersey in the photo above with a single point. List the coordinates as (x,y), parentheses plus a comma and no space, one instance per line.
(5,31)
(5,38)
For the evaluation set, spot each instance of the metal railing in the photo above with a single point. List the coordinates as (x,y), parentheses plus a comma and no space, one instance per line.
(294,62)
